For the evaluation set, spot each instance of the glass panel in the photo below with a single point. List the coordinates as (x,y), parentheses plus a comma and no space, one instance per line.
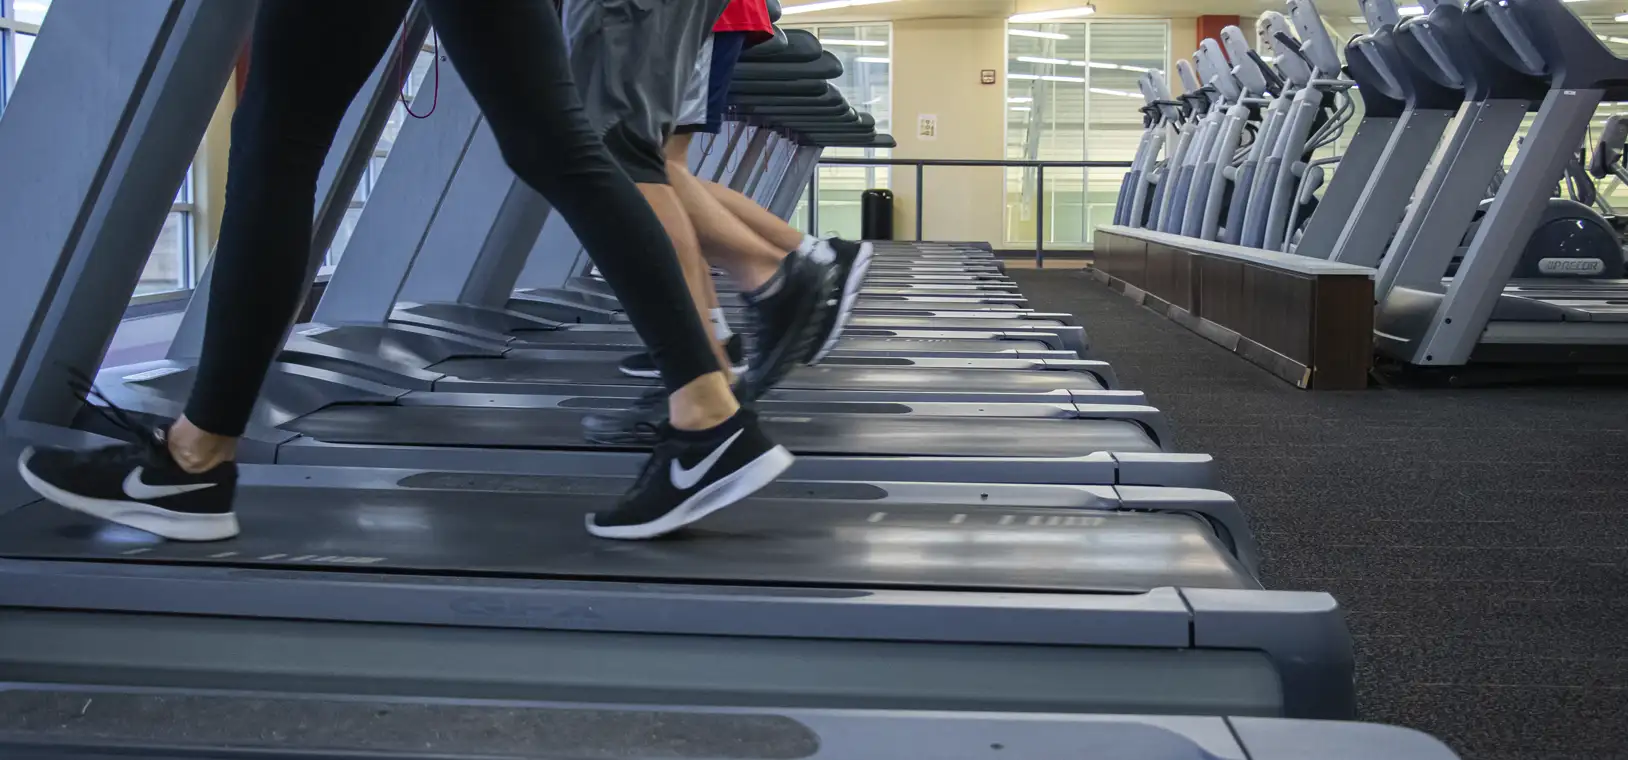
(799,215)
(423,71)
(164,265)
(24,44)
(866,53)
(342,236)
(1072,96)
(5,67)
(30,11)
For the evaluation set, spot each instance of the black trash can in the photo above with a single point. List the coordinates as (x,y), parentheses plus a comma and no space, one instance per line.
(876,215)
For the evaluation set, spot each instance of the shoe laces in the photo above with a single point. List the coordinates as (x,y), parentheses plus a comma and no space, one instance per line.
(152,440)
(660,435)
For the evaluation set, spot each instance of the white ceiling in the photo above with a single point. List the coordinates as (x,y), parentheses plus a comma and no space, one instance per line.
(915,9)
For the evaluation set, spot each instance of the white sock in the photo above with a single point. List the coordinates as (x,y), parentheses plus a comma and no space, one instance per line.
(720,326)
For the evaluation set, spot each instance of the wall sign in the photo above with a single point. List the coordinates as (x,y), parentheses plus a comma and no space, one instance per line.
(927,126)
(987,76)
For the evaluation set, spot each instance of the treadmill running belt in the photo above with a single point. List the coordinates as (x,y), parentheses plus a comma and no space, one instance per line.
(823,377)
(628,340)
(860,435)
(759,542)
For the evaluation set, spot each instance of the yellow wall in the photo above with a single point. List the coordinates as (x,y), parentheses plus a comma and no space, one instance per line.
(1183,41)
(936,66)
(209,174)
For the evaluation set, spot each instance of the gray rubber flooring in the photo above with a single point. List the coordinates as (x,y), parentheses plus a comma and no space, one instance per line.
(1478,539)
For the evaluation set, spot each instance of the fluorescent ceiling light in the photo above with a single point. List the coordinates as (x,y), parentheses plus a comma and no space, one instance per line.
(1121,93)
(869,59)
(1037,35)
(1077,80)
(1022,108)
(1029,18)
(1622,18)
(1046,61)
(1020,100)
(30,5)
(1618,40)
(827,5)
(856,43)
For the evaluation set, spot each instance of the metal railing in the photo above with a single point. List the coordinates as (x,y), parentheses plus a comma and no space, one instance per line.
(921,165)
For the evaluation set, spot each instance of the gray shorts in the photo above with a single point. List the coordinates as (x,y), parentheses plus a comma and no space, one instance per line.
(694,110)
(639,63)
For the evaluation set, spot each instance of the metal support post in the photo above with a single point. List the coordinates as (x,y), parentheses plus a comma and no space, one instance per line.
(1040,216)
(921,198)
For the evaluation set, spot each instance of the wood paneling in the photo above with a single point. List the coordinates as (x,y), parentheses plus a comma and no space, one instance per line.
(1209,27)
(1313,330)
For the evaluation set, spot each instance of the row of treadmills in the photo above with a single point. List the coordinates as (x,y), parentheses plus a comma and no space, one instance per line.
(987,546)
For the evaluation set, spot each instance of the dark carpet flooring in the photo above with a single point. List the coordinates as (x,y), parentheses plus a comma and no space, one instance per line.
(1477,539)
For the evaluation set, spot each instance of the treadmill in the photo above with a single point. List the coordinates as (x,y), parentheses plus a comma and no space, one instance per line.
(1056,599)
(578,729)
(450,583)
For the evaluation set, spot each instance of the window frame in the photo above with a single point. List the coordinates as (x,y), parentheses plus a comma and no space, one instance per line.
(1085,125)
(801,212)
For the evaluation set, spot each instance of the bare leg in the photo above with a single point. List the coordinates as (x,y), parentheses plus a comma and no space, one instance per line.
(697,274)
(768,226)
(725,240)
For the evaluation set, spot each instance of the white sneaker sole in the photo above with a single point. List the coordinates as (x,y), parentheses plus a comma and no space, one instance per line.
(650,374)
(177,526)
(850,298)
(738,485)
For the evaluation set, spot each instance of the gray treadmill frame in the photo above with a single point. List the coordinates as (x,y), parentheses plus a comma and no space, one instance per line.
(103,154)
(834,734)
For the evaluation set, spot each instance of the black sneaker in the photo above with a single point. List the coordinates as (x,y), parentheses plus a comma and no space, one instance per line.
(644,365)
(786,319)
(138,485)
(637,425)
(852,261)
(691,475)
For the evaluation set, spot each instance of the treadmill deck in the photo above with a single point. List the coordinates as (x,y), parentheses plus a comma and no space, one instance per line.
(535,530)
(864,435)
(870,378)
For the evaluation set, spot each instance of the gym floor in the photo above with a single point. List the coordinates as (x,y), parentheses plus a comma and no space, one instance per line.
(1478,539)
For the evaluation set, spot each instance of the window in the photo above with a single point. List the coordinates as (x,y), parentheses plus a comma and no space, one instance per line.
(422,71)
(1072,95)
(866,52)
(170,264)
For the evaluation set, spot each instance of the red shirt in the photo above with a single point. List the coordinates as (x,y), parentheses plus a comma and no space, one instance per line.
(750,16)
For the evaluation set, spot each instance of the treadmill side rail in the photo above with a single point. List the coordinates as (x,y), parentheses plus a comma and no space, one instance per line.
(1303,632)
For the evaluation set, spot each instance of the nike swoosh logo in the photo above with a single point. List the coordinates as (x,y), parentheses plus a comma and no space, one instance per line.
(684,479)
(136,489)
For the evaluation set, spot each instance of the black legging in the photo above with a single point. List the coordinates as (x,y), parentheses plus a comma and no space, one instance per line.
(309,59)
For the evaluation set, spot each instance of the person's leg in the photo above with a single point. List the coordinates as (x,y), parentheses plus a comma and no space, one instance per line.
(512,56)
(301,80)
(697,275)
(750,260)
(179,482)
(757,218)
(752,240)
